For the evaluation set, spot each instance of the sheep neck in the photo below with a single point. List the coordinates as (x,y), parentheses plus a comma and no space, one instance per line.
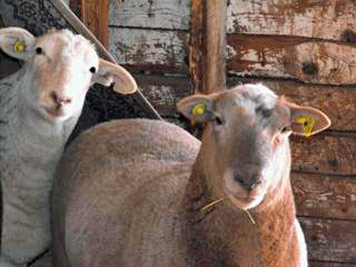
(227,232)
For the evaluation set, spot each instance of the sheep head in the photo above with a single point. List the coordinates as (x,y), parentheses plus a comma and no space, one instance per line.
(245,148)
(60,67)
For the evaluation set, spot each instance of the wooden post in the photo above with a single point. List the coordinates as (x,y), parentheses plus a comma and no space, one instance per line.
(94,14)
(208,45)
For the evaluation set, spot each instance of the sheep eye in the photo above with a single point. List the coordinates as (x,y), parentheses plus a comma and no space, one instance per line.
(218,120)
(285,129)
(92,69)
(266,113)
(39,51)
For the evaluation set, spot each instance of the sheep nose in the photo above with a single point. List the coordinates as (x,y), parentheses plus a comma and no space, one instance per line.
(248,184)
(60,100)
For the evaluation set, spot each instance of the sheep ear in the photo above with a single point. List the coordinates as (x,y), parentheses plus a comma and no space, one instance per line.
(307,121)
(109,73)
(16,42)
(196,108)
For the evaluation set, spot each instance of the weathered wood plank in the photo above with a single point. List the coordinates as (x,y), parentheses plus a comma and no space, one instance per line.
(325,196)
(164,92)
(149,50)
(324,154)
(296,58)
(207,45)
(327,19)
(338,103)
(95,15)
(159,14)
(330,240)
(215,45)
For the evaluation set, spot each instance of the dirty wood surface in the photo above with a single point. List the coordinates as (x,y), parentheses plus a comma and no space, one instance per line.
(149,50)
(321,19)
(330,240)
(324,154)
(301,59)
(325,196)
(159,14)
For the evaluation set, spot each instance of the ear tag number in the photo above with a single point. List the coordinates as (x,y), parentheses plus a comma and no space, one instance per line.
(307,122)
(19,46)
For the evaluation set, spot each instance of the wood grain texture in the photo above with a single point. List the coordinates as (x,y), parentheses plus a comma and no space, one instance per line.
(216,45)
(338,103)
(330,240)
(207,45)
(325,19)
(159,14)
(324,154)
(293,58)
(197,46)
(150,50)
(325,196)
(95,15)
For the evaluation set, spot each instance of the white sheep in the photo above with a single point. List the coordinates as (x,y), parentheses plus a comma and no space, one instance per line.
(39,107)
(146,193)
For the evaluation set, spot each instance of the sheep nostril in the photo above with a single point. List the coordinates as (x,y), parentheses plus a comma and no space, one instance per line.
(60,100)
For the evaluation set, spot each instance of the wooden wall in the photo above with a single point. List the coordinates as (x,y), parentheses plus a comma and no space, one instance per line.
(305,50)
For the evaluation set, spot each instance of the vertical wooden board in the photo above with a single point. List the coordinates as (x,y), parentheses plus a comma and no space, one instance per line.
(284,57)
(330,240)
(149,50)
(336,102)
(160,14)
(327,19)
(325,196)
(324,154)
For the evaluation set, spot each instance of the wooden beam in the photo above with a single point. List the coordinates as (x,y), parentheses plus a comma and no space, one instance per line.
(208,45)
(94,14)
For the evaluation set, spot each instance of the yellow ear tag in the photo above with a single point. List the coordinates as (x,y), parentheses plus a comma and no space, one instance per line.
(19,46)
(308,123)
(199,110)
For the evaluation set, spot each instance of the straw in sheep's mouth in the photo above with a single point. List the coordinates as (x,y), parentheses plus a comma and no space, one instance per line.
(218,201)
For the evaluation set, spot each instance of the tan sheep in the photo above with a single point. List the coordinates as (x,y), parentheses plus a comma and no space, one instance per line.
(140,193)
(39,107)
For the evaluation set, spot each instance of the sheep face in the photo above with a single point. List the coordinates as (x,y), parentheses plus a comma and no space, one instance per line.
(245,148)
(60,67)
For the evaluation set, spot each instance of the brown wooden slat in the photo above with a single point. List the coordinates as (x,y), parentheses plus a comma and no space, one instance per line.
(324,154)
(330,240)
(338,103)
(296,58)
(327,19)
(325,196)
(207,45)
(160,14)
(95,15)
(150,50)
